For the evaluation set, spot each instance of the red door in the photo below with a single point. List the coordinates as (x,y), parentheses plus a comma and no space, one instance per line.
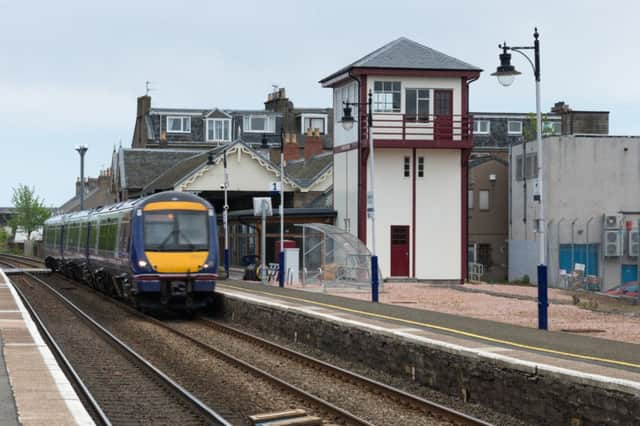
(399,251)
(443,110)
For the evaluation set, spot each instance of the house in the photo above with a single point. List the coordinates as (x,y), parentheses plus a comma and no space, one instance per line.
(592,208)
(97,192)
(422,136)
(206,128)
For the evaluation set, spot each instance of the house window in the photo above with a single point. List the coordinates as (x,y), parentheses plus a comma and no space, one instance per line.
(313,123)
(218,129)
(420,166)
(514,127)
(259,123)
(483,200)
(481,127)
(179,124)
(417,104)
(470,199)
(386,96)
(407,167)
(531,165)
(551,128)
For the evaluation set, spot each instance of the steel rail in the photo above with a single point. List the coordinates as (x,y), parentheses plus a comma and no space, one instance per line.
(204,410)
(414,401)
(328,407)
(31,260)
(66,365)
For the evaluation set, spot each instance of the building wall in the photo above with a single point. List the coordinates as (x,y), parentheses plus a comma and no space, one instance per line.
(585,177)
(438,216)
(344,92)
(490,227)
(394,194)
(345,190)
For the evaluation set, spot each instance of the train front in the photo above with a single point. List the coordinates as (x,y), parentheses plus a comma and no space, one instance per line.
(174,252)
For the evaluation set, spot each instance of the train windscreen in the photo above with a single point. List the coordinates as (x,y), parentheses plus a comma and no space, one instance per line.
(176,231)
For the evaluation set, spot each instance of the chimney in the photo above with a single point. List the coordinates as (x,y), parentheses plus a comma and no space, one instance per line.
(291,148)
(312,144)
(140,131)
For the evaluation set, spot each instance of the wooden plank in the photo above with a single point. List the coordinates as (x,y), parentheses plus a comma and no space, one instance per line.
(277,415)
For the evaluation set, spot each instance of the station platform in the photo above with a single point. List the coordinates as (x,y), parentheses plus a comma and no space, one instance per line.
(33,388)
(520,359)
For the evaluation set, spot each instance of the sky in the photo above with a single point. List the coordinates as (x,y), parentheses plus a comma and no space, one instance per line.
(70,71)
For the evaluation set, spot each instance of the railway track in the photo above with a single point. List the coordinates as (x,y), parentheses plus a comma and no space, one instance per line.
(339,395)
(124,386)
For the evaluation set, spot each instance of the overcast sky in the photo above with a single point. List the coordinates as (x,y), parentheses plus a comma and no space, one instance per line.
(70,71)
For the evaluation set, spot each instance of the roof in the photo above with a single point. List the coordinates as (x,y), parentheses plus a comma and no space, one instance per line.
(139,166)
(404,53)
(305,172)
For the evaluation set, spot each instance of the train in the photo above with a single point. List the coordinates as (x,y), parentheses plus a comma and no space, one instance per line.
(158,252)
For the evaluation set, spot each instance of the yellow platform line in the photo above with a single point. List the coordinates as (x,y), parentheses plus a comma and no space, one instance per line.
(442,328)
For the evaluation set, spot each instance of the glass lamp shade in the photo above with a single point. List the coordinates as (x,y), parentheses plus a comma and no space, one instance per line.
(506,80)
(347,123)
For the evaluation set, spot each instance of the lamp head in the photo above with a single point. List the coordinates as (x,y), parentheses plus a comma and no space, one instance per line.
(347,118)
(505,72)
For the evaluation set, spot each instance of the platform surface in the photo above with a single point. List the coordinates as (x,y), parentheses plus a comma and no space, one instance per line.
(33,388)
(600,360)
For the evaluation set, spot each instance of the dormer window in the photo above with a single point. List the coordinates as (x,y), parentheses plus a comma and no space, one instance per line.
(259,123)
(481,127)
(178,124)
(312,122)
(218,130)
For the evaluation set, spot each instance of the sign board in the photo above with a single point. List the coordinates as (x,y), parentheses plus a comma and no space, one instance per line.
(275,186)
(260,203)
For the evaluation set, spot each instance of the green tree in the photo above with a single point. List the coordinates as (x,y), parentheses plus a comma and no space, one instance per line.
(3,239)
(530,133)
(30,210)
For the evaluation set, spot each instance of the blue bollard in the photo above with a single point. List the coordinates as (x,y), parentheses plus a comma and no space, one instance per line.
(543,298)
(374,279)
(281,275)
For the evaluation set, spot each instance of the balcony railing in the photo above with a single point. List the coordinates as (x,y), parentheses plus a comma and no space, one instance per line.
(422,127)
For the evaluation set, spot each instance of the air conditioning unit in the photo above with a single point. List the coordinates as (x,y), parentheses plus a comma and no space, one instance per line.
(612,221)
(612,243)
(634,243)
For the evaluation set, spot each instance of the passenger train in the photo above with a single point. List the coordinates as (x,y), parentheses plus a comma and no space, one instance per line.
(156,252)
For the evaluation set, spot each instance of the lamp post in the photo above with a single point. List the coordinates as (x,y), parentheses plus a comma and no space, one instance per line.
(506,74)
(82,150)
(225,213)
(347,124)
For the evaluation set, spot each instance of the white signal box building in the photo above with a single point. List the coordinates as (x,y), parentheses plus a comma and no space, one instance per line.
(423,134)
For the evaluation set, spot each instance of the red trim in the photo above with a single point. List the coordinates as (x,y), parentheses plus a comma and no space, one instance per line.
(464,178)
(344,148)
(441,144)
(392,72)
(362,190)
(413,227)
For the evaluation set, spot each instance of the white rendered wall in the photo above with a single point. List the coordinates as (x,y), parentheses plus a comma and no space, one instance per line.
(393,202)
(438,215)
(348,92)
(345,190)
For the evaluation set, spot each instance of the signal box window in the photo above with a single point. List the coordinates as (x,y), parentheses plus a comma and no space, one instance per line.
(386,96)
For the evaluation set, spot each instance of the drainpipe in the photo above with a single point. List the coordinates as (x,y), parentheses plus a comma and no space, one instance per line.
(587,244)
(357,80)
(573,243)
(558,236)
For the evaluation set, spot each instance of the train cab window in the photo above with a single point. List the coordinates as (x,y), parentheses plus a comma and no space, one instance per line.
(176,231)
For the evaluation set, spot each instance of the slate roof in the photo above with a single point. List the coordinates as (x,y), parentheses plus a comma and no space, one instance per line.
(139,166)
(404,53)
(305,172)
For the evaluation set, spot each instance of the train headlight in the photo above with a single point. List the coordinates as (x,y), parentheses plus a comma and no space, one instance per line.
(142,263)
(205,266)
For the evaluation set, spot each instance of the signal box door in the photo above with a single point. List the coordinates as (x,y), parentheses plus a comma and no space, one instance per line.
(399,251)
(443,110)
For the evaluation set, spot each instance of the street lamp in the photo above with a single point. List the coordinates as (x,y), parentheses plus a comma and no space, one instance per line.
(506,74)
(347,124)
(82,150)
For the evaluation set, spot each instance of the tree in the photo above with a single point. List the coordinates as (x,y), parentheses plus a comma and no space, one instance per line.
(530,133)
(30,210)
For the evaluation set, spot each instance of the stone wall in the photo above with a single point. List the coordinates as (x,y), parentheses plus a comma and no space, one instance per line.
(538,397)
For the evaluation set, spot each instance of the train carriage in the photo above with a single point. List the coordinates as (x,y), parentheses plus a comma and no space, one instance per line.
(156,252)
